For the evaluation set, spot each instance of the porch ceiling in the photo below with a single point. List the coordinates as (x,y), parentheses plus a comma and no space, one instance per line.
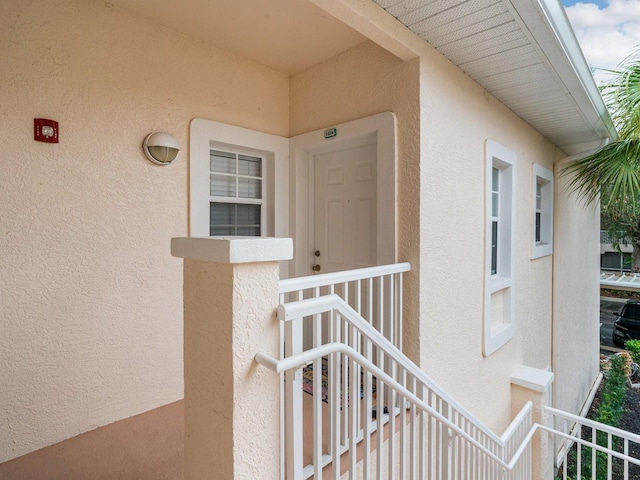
(523,52)
(286,35)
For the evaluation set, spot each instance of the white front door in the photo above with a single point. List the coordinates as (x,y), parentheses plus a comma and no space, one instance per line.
(352,225)
(345,208)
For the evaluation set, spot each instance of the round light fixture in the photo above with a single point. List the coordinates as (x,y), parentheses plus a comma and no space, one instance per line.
(161,148)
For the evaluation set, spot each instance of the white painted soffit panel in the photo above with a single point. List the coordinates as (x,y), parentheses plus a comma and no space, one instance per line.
(524,53)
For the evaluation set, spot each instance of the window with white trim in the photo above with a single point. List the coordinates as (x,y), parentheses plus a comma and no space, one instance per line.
(500,215)
(235,189)
(542,215)
(234,174)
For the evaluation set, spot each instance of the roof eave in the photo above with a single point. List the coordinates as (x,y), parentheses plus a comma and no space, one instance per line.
(547,22)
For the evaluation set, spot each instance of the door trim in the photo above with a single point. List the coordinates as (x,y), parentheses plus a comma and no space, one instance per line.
(304,147)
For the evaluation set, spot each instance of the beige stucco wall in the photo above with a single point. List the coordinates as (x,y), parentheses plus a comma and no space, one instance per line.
(91,301)
(576,333)
(364,81)
(90,298)
(229,317)
(455,128)
(441,183)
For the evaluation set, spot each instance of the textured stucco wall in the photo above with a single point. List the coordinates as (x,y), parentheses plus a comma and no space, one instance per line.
(455,128)
(576,333)
(229,316)
(364,81)
(441,211)
(90,298)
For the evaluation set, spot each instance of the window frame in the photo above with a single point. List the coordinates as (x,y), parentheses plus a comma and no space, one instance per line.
(237,199)
(542,177)
(498,319)
(206,135)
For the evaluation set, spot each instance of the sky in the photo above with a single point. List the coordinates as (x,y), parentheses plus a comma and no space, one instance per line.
(607,30)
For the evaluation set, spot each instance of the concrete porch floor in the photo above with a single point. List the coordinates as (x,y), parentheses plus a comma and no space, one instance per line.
(149,446)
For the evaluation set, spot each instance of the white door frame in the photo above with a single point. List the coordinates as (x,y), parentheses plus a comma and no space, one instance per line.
(304,147)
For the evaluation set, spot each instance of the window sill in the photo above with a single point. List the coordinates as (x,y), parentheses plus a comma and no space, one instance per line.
(540,250)
(499,283)
(498,336)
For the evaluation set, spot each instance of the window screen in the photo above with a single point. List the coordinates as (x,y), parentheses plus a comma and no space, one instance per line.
(235,188)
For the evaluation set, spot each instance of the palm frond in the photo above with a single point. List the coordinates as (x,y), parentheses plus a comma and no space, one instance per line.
(622,96)
(613,173)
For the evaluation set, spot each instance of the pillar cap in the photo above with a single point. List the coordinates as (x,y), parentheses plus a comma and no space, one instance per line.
(232,249)
(532,378)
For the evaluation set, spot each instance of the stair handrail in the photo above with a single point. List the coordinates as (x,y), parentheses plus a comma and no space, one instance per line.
(325,279)
(302,308)
(333,303)
(300,359)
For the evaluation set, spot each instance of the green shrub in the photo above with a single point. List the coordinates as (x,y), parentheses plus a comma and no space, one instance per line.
(613,393)
(633,346)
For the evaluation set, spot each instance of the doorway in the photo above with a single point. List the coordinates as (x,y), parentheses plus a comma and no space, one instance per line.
(343,196)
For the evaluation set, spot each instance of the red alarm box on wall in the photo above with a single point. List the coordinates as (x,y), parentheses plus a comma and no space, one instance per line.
(45,130)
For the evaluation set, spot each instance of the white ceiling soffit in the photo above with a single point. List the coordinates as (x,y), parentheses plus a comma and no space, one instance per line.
(524,53)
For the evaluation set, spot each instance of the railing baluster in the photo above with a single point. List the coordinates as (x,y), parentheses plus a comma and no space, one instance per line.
(368,406)
(283,444)
(293,394)
(335,401)
(379,416)
(609,457)
(353,400)
(422,436)
(384,328)
(412,434)
(626,462)
(317,395)
(403,421)
(594,435)
(344,384)
(578,457)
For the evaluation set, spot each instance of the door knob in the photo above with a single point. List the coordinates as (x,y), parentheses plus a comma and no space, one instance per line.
(316,268)
(317,253)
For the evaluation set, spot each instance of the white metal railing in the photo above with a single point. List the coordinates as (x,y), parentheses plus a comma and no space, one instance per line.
(418,431)
(350,324)
(374,292)
(592,450)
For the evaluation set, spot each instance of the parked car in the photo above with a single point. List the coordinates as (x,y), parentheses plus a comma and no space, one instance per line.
(627,325)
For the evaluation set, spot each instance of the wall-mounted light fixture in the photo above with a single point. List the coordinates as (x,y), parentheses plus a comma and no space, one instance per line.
(161,148)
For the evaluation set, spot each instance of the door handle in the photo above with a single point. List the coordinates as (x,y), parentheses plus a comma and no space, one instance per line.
(316,268)
(317,253)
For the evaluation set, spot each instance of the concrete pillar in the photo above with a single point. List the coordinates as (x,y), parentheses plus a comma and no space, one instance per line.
(534,385)
(231,403)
